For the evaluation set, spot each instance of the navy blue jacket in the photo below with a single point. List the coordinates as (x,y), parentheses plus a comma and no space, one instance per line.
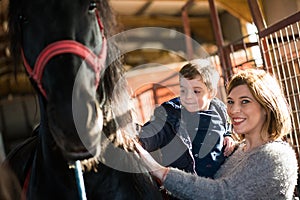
(192,142)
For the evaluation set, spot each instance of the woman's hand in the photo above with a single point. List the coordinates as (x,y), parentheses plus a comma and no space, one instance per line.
(154,167)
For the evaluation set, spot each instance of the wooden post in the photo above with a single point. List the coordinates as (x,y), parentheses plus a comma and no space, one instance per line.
(187,30)
(260,25)
(224,58)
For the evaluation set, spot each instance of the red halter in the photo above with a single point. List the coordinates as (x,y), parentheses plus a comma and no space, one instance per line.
(96,62)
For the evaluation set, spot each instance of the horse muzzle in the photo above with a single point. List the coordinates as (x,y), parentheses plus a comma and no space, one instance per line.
(78,137)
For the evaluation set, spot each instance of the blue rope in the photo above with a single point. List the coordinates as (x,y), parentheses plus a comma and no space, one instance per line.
(79,180)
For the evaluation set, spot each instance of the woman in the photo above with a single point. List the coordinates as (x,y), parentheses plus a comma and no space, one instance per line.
(263,167)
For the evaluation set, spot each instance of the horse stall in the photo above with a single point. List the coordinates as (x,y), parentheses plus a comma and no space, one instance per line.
(274,48)
(21,110)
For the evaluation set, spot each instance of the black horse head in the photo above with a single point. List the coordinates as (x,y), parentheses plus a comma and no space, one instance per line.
(85,107)
(63,46)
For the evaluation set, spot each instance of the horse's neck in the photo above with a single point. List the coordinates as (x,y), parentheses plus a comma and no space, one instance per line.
(49,170)
(46,149)
(43,110)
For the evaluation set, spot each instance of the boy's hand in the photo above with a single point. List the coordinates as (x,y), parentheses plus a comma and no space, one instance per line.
(154,167)
(229,144)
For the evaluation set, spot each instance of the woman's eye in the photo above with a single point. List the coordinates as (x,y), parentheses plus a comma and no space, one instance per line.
(197,91)
(245,101)
(229,102)
(92,6)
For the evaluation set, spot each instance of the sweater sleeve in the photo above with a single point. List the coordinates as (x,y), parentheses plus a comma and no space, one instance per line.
(190,186)
(158,131)
(270,173)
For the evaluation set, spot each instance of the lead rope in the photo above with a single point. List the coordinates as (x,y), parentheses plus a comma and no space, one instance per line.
(79,180)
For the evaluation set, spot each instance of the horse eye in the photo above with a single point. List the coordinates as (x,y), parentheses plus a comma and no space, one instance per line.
(92,6)
(22,19)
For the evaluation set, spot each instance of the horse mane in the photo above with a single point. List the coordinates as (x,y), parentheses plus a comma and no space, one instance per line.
(118,126)
(113,87)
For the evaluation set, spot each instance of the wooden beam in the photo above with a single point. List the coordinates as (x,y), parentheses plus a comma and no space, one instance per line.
(161,21)
(238,8)
(145,7)
(200,26)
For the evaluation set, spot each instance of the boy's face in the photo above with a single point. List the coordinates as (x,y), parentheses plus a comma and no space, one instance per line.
(194,94)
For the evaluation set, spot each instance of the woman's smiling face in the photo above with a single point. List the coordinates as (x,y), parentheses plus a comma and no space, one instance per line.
(246,114)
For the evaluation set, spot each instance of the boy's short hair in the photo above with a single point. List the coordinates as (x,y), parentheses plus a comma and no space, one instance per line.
(203,68)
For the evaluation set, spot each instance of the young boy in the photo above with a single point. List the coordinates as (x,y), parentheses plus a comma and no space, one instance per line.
(191,131)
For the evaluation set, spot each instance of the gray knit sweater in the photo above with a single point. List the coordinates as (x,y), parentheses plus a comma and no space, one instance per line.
(267,172)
